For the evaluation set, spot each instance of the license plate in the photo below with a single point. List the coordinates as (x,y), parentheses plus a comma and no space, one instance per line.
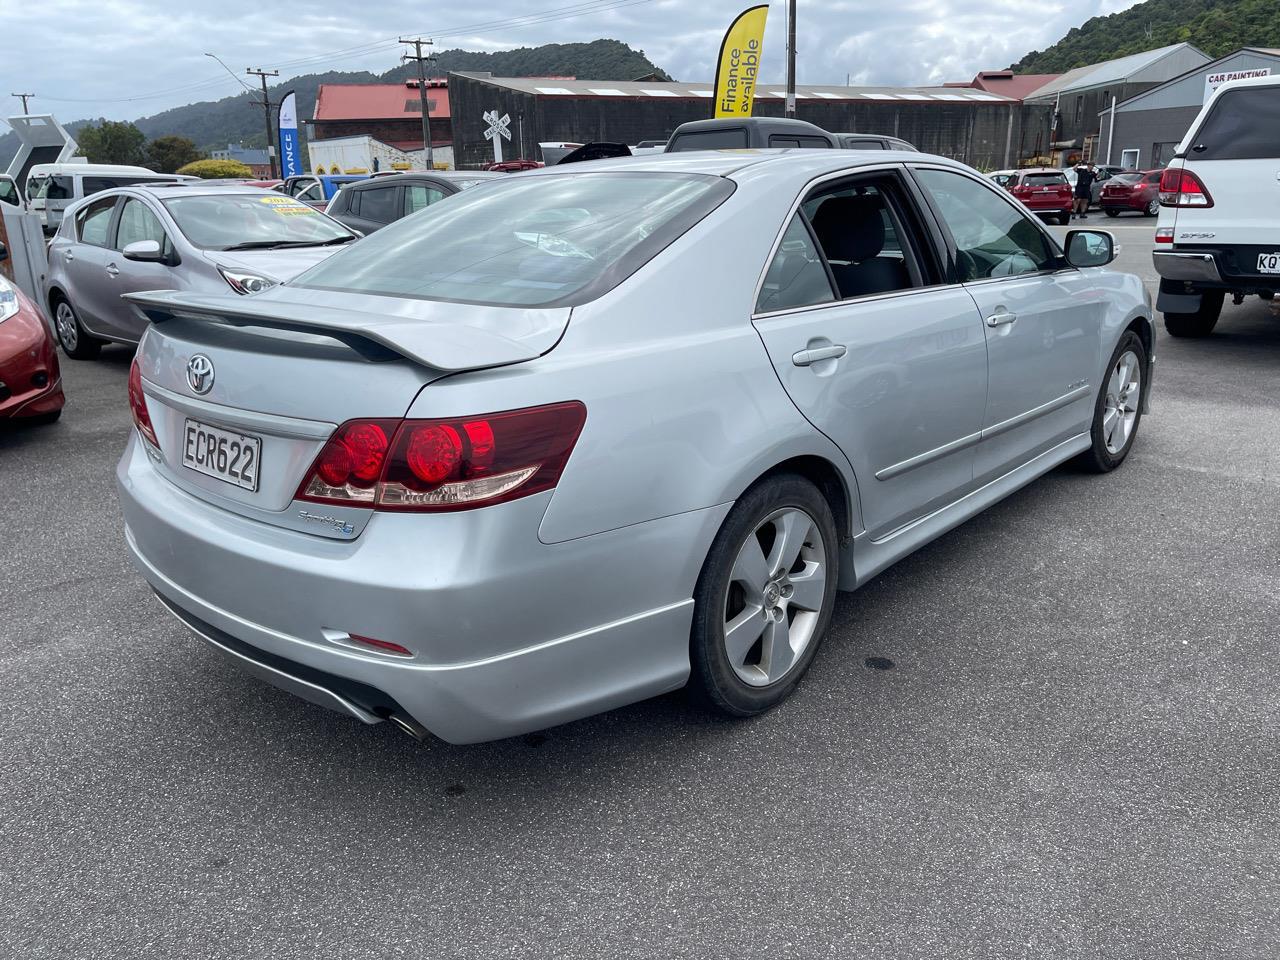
(1269,263)
(222,454)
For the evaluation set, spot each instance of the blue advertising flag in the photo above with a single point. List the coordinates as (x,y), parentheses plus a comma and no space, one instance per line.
(290,146)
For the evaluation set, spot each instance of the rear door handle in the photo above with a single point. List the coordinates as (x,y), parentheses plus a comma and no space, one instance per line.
(68,256)
(113,270)
(1001,317)
(805,357)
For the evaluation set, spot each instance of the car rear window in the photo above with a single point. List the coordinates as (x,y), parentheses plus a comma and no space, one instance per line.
(1243,125)
(1128,177)
(1044,179)
(528,241)
(732,139)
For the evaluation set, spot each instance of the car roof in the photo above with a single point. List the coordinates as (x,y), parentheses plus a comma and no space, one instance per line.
(163,191)
(448,176)
(725,163)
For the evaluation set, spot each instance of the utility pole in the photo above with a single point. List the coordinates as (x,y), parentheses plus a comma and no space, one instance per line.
(24,97)
(791,58)
(266,109)
(417,56)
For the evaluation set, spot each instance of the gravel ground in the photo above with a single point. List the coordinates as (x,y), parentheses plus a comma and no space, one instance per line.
(1073,752)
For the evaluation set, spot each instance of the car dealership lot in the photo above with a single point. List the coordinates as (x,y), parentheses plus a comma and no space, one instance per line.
(1072,754)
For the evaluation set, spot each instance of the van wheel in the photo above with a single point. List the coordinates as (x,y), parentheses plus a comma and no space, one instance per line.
(1118,408)
(76,342)
(1200,323)
(764,597)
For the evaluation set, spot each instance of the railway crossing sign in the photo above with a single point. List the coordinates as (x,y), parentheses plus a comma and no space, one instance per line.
(497,131)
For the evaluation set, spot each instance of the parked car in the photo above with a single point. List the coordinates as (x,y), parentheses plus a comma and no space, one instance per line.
(9,191)
(585,436)
(1102,173)
(315,190)
(739,133)
(871,141)
(30,380)
(1219,207)
(513,166)
(1040,189)
(179,237)
(369,206)
(53,187)
(1137,191)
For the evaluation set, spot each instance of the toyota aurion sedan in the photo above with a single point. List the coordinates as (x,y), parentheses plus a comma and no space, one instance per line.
(583,437)
(196,237)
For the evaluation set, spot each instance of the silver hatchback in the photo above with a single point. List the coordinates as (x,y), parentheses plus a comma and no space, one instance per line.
(195,237)
(580,438)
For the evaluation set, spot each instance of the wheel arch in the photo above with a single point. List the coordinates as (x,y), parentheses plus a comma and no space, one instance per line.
(53,295)
(831,483)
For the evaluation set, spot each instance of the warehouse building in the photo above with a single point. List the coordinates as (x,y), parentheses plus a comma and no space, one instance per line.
(1078,96)
(1149,127)
(984,129)
(388,112)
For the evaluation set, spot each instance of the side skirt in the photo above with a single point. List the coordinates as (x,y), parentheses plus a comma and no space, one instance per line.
(864,557)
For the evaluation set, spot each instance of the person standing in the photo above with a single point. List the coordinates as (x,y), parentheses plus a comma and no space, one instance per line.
(1085,176)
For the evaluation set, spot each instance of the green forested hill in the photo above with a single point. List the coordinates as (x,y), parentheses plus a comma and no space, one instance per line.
(213,124)
(1215,26)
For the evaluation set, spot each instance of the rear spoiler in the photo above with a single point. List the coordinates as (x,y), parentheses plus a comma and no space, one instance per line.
(439,344)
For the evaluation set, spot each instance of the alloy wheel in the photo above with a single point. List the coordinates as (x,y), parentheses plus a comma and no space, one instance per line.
(1153,208)
(774,600)
(68,331)
(1120,408)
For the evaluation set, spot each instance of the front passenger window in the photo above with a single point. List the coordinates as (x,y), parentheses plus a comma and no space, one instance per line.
(137,222)
(993,237)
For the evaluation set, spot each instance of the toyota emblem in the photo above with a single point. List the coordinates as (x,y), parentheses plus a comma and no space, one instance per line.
(200,373)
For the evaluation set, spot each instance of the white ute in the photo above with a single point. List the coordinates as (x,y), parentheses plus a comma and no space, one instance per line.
(1219,225)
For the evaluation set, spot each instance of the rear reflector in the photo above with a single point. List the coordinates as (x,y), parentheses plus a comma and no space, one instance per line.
(386,646)
(436,465)
(1164,235)
(1182,188)
(138,406)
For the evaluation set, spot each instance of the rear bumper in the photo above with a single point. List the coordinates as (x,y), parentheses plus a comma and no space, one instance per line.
(508,634)
(1190,267)
(1124,203)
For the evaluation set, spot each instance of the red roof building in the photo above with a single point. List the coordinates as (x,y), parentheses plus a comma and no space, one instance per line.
(390,112)
(1006,83)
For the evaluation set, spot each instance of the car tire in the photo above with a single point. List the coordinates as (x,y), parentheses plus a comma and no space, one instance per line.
(1111,213)
(76,342)
(752,637)
(1153,208)
(1117,411)
(1200,323)
(41,419)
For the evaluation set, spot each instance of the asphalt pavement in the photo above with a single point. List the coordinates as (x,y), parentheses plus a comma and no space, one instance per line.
(1073,751)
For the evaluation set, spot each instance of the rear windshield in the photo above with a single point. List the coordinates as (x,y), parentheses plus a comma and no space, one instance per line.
(252,221)
(1128,177)
(54,188)
(1044,179)
(731,139)
(526,241)
(1243,125)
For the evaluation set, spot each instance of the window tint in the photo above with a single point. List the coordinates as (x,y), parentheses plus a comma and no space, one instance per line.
(1044,179)
(529,241)
(784,142)
(993,237)
(94,185)
(417,196)
(377,204)
(1243,125)
(732,139)
(137,222)
(796,277)
(861,239)
(92,221)
(55,188)
(813,143)
(8,192)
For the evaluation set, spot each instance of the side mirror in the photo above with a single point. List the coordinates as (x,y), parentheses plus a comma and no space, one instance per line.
(144,251)
(1090,248)
(4,252)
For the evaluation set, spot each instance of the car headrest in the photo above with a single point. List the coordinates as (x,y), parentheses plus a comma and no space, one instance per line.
(851,227)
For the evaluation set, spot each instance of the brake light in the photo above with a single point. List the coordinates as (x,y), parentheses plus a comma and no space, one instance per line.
(451,464)
(1182,188)
(138,406)
(1164,235)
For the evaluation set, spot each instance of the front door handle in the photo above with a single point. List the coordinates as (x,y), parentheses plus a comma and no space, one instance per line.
(1001,317)
(67,255)
(805,357)
(113,270)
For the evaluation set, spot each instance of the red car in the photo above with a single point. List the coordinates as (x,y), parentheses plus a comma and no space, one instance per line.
(1137,190)
(30,381)
(1042,190)
(514,166)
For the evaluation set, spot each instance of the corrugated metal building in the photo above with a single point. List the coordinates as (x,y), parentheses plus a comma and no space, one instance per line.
(1150,126)
(980,128)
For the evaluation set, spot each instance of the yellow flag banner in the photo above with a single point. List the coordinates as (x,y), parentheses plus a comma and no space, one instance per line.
(739,63)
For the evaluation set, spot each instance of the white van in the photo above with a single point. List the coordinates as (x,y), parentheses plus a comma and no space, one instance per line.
(52,187)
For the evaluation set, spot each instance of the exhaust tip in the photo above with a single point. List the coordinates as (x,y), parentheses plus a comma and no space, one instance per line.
(406,724)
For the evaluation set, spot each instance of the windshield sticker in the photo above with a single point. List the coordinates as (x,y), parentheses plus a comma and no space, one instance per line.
(287,206)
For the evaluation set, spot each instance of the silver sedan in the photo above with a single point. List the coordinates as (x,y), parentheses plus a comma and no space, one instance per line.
(584,437)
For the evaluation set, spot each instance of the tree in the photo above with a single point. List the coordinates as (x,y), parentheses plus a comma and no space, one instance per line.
(216,170)
(167,154)
(112,142)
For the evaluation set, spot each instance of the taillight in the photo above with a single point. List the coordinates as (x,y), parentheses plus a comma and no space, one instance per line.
(138,406)
(1164,235)
(453,464)
(1182,188)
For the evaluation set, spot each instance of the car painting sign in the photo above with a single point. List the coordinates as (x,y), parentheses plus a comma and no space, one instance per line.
(1212,81)
(738,66)
(290,147)
(497,131)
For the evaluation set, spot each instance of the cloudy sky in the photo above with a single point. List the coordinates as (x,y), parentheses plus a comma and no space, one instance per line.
(128,58)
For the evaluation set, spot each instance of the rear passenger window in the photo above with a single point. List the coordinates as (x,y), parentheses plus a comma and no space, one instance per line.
(417,196)
(1243,125)
(92,221)
(378,204)
(862,237)
(796,277)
